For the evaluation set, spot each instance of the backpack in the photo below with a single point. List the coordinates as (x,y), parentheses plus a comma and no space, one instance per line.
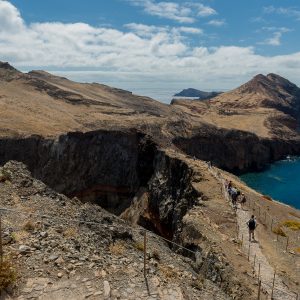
(251,224)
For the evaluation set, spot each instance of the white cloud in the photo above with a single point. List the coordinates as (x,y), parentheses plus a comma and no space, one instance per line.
(277,33)
(162,53)
(217,23)
(10,19)
(275,40)
(150,30)
(183,13)
(287,11)
(191,30)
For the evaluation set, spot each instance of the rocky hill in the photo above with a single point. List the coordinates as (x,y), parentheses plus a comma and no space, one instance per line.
(90,146)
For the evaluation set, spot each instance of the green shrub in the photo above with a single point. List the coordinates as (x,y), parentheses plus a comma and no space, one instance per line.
(29,226)
(139,246)
(8,275)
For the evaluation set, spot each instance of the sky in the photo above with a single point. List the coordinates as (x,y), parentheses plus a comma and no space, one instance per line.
(143,45)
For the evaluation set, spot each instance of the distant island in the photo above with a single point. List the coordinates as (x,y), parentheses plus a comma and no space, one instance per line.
(201,95)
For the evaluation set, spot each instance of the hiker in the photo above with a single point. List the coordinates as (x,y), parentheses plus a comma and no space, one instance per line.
(226,183)
(234,196)
(252,224)
(229,186)
(243,200)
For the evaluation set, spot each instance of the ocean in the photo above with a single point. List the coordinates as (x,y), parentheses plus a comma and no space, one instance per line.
(160,88)
(281,181)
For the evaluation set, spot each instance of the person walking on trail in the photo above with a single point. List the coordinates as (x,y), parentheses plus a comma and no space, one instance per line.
(243,200)
(252,224)
(234,196)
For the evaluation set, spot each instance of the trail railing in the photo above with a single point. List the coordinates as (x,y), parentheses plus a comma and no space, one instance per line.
(275,292)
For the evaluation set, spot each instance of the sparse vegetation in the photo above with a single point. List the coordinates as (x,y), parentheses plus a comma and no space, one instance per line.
(278,230)
(292,224)
(294,214)
(139,246)
(168,271)
(8,275)
(297,250)
(198,283)
(29,226)
(4,175)
(117,248)
(70,232)
(19,235)
(155,255)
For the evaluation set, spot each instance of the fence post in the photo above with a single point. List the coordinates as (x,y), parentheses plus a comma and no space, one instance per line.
(273,284)
(249,251)
(242,240)
(145,253)
(259,287)
(272,224)
(287,243)
(259,210)
(1,247)
(254,262)
(258,270)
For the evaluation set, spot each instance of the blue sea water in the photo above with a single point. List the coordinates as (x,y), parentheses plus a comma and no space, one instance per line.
(281,181)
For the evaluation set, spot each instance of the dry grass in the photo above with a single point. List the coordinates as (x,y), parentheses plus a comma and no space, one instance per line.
(297,250)
(19,235)
(117,248)
(28,226)
(139,246)
(4,176)
(168,272)
(198,283)
(292,224)
(294,214)
(8,274)
(155,255)
(71,232)
(278,230)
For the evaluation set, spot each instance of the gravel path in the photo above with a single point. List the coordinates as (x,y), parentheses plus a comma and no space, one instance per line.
(281,291)
(266,270)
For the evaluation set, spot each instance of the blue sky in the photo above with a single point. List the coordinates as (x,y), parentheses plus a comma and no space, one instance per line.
(209,44)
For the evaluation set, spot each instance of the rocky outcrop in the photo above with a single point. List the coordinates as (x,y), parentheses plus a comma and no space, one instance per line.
(201,95)
(170,195)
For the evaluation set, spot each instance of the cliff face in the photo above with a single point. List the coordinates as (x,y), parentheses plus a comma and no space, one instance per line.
(239,130)
(170,195)
(102,167)
(235,151)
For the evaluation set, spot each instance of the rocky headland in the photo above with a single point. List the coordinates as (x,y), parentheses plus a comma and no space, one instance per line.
(194,93)
(102,155)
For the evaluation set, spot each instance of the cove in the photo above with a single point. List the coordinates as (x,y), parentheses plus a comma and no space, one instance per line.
(280,180)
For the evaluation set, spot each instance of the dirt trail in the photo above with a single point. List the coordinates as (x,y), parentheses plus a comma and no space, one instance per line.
(281,291)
